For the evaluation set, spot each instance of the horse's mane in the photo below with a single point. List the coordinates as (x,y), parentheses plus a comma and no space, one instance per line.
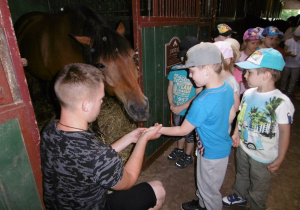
(107,43)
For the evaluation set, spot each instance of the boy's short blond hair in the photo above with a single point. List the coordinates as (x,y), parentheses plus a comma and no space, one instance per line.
(76,82)
(217,67)
(275,73)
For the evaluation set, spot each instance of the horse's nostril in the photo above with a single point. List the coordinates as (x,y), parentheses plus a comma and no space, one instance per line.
(138,112)
(133,109)
(146,101)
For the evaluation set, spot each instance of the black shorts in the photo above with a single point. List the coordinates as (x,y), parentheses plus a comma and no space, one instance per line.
(177,121)
(139,197)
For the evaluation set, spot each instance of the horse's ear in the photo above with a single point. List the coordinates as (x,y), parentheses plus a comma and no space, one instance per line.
(121,29)
(83,40)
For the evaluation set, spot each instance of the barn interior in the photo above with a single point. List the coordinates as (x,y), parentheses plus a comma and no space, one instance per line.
(150,26)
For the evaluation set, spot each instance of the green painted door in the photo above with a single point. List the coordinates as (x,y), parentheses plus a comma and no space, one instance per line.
(155,82)
(17,185)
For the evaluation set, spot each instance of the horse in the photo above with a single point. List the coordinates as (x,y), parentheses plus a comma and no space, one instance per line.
(79,35)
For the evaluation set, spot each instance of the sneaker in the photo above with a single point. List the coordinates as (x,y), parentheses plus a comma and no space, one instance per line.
(192,205)
(175,154)
(184,161)
(233,199)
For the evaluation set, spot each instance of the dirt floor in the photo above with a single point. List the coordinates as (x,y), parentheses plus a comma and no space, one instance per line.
(180,183)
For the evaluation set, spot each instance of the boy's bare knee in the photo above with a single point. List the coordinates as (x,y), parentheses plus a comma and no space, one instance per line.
(160,193)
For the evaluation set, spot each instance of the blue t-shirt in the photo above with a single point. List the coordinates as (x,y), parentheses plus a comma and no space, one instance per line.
(209,113)
(183,88)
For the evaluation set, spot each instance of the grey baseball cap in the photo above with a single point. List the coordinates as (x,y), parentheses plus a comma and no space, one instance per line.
(205,53)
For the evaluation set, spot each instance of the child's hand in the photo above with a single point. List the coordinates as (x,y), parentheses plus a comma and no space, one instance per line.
(151,133)
(235,140)
(275,165)
(24,61)
(177,109)
(172,106)
(289,53)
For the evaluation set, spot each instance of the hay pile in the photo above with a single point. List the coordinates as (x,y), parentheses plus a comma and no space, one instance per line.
(113,121)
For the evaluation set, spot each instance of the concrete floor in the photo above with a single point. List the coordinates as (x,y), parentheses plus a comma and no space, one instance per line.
(180,183)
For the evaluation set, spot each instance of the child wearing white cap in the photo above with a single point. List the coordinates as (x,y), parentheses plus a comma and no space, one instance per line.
(210,114)
(292,60)
(262,130)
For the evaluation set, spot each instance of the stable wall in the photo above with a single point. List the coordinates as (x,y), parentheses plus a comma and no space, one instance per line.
(155,82)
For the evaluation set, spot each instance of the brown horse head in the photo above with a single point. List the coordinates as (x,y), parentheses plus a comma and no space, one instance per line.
(79,34)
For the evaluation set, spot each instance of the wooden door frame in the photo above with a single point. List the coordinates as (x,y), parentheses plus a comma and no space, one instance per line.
(26,115)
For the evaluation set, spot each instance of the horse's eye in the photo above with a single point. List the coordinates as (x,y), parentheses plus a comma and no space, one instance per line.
(100,65)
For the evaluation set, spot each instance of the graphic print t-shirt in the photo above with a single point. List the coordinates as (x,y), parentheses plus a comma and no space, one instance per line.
(258,120)
(183,89)
(77,169)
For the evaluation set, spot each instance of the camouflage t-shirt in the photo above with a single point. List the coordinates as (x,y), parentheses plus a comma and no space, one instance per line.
(77,169)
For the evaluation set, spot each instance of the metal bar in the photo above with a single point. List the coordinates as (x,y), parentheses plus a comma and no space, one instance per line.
(198,8)
(172,8)
(154,8)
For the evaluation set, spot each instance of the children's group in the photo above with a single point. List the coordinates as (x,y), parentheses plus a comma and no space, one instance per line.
(229,94)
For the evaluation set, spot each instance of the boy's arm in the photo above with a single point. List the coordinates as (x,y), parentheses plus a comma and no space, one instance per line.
(232,114)
(127,139)
(182,130)
(236,101)
(133,166)
(284,140)
(235,136)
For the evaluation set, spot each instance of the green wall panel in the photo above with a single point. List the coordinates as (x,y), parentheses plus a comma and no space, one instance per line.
(17,185)
(155,83)
(20,7)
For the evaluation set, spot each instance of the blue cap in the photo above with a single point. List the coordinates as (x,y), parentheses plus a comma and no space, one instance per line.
(271,31)
(266,57)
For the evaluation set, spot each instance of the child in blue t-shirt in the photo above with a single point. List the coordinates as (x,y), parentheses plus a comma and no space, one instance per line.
(181,92)
(211,113)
